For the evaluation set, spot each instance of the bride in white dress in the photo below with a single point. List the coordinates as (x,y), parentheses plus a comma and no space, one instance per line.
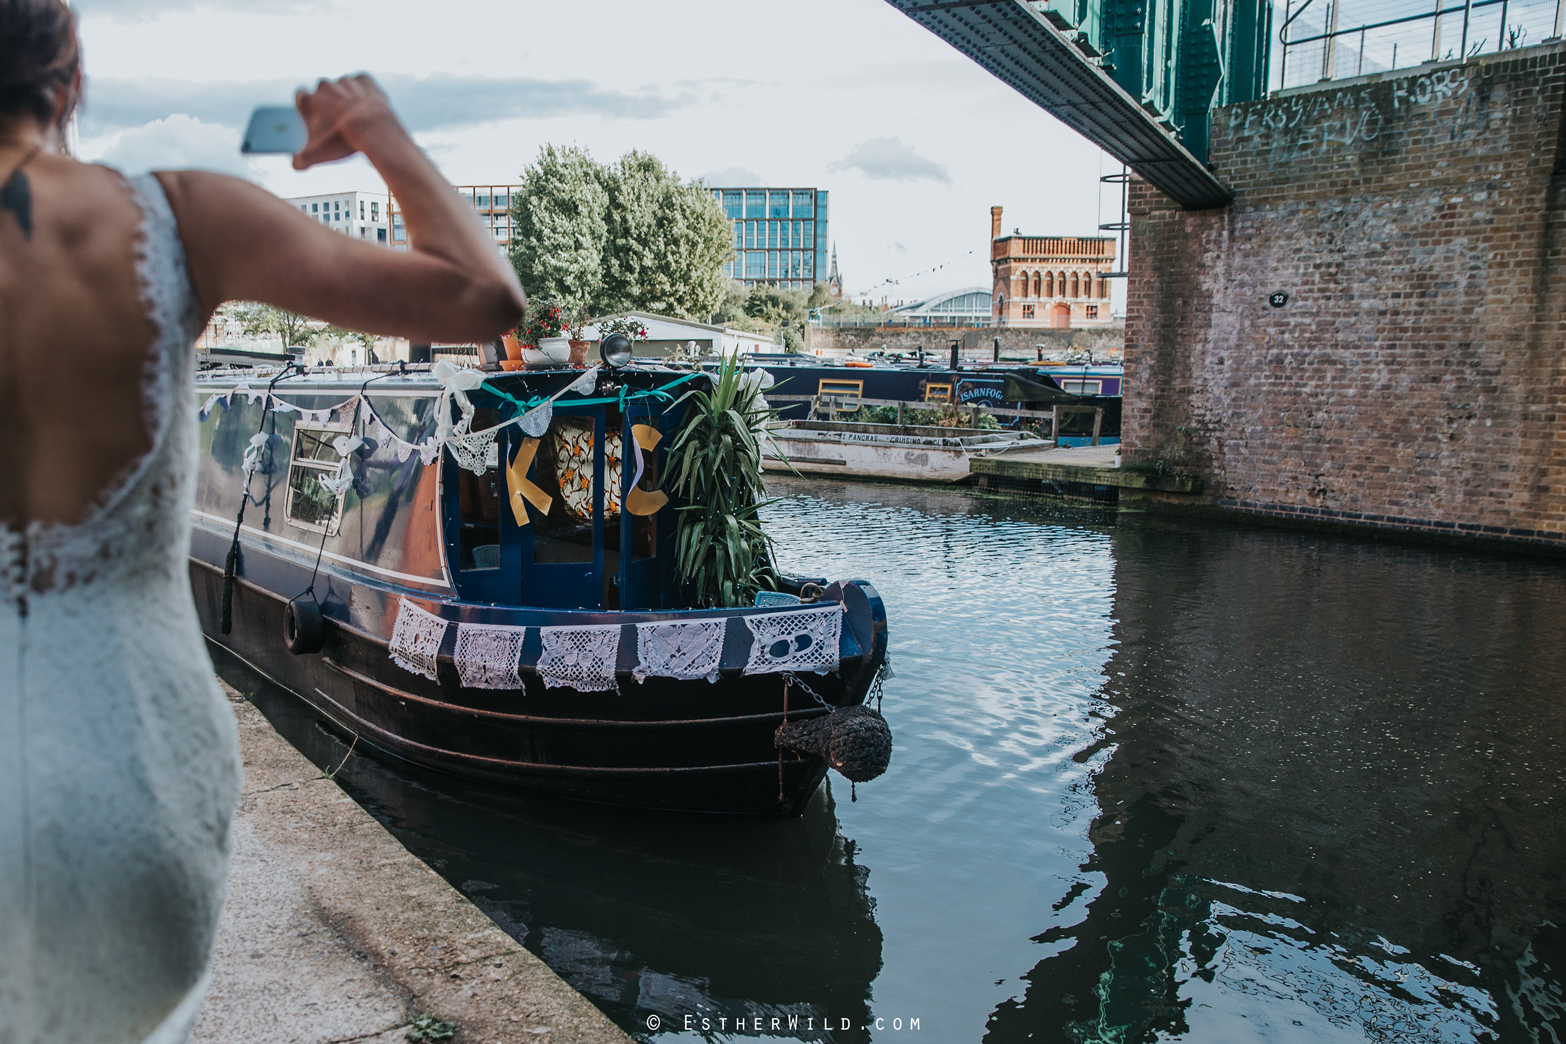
(118,760)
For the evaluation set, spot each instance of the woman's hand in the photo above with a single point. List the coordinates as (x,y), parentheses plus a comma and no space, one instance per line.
(244,244)
(340,114)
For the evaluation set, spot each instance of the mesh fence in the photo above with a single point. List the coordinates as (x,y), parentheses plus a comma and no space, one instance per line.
(1340,39)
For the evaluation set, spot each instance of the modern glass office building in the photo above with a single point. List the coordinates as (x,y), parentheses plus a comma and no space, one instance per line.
(780,235)
(493,203)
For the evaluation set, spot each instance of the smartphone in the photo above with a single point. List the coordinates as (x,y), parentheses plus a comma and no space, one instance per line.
(275,128)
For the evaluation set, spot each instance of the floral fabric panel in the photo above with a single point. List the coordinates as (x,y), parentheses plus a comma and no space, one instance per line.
(581,658)
(679,650)
(803,640)
(571,442)
(487,656)
(416,639)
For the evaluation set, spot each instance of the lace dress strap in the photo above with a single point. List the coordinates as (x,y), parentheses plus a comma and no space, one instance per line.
(164,279)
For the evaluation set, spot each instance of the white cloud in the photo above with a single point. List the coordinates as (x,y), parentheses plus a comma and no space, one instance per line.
(176,142)
(438,102)
(888,159)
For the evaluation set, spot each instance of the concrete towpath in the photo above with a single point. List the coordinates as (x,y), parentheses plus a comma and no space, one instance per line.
(333,932)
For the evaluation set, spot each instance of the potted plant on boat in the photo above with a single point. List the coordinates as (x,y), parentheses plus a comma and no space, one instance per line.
(541,324)
(577,317)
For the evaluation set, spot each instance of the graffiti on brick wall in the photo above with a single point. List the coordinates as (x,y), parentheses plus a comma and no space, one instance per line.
(1310,124)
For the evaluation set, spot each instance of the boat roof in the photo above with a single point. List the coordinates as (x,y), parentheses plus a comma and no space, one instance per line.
(417,380)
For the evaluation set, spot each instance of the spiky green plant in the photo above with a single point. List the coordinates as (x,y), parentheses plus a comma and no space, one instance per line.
(721,554)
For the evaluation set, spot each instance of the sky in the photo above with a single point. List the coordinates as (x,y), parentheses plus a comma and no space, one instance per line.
(914,141)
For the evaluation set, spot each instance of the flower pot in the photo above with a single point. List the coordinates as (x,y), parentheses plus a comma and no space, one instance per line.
(513,346)
(556,349)
(579,352)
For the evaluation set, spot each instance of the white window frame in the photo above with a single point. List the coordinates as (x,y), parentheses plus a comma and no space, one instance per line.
(335,525)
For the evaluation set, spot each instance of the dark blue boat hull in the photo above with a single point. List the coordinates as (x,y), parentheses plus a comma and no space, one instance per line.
(665,744)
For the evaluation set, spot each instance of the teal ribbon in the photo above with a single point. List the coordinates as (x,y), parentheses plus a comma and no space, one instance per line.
(625,397)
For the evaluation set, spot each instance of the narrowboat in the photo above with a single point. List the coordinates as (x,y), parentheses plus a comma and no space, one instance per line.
(903,452)
(1090,391)
(475,572)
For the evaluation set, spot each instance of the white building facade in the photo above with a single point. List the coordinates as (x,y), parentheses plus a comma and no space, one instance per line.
(362,215)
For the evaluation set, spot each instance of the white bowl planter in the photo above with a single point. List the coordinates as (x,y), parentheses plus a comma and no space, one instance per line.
(556,349)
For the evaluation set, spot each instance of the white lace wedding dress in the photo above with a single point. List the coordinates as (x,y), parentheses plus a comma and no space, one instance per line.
(119,761)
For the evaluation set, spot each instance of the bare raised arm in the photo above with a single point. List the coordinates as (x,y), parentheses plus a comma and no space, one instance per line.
(243,243)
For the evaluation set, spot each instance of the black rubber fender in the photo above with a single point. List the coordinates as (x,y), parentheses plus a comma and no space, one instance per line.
(303,631)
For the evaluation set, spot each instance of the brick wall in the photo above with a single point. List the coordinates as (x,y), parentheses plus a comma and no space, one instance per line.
(1415,377)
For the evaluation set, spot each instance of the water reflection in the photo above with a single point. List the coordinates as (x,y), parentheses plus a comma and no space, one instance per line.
(644,913)
(1152,780)
(1328,800)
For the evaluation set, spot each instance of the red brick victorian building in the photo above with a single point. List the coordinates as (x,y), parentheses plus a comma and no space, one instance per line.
(1050,281)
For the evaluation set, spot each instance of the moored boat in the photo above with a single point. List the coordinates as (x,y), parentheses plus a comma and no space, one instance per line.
(476,574)
(891,451)
(1087,392)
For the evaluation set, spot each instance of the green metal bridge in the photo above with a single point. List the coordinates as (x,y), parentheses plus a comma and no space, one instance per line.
(1138,78)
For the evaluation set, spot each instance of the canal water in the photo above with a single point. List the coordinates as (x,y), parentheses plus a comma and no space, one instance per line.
(1153,780)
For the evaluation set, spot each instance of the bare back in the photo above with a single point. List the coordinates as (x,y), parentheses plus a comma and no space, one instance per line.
(75,338)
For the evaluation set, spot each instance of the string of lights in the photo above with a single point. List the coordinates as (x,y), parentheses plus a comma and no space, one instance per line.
(911,275)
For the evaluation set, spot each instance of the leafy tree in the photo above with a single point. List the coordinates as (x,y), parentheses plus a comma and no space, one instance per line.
(731,309)
(774,305)
(560,229)
(263,320)
(820,296)
(605,239)
(667,241)
(343,335)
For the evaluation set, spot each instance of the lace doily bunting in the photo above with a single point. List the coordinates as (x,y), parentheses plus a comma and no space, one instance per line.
(804,640)
(416,639)
(679,650)
(487,656)
(582,658)
(472,451)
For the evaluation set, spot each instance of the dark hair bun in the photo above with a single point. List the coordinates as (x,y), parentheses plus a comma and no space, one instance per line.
(38,56)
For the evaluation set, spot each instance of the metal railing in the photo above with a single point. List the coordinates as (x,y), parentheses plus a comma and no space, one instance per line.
(897,320)
(1341,39)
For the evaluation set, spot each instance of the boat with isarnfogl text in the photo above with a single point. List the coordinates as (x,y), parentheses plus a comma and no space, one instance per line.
(906,452)
(475,572)
(1078,403)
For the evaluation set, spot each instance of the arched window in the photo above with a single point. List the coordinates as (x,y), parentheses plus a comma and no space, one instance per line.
(1074,286)
(1060,284)
(1038,284)
(1049,284)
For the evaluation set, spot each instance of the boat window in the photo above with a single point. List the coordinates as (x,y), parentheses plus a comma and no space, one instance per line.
(563,469)
(310,504)
(1082,387)
(479,499)
(937,392)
